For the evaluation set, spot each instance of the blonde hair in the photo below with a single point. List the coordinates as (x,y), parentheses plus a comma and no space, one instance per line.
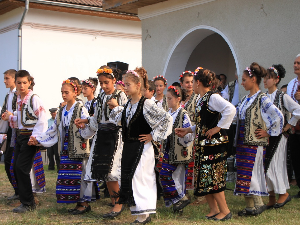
(139,75)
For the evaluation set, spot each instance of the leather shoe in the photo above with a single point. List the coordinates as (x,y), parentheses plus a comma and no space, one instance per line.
(211,217)
(227,217)
(279,205)
(242,213)
(14,197)
(258,210)
(270,206)
(113,214)
(181,204)
(148,220)
(86,209)
(24,208)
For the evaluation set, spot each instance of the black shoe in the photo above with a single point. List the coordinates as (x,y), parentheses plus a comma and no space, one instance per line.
(211,217)
(258,210)
(76,207)
(14,197)
(270,206)
(242,213)
(148,220)
(24,208)
(279,205)
(113,214)
(181,204)
(86,209)
(227,217)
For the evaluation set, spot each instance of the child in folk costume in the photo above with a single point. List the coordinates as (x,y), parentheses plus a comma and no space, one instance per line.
(257,119)
(210,143)
(160,85)
(186,81)
(31,120)
(142,121)
(120,85)
(89,87)
(177,154)
(74,152)
(275,162)
(105,159)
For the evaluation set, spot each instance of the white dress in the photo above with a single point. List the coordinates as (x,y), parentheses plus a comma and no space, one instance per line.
(144,180)
(276,176)
(115,174)
(273,119)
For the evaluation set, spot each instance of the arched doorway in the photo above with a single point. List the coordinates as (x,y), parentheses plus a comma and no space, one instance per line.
(201,46)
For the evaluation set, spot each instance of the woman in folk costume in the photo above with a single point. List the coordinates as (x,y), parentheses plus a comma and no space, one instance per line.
(160,85)
(31,120)
(105,159)
(257,119)
(186,81)
(177,154)
(210,143)
(142,121)
(276,155)
(74,152)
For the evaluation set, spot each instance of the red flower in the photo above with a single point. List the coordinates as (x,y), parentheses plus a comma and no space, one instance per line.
(216,187)
(211,157)
(83,145)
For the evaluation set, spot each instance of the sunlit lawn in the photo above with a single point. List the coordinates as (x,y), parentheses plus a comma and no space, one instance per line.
(49,212)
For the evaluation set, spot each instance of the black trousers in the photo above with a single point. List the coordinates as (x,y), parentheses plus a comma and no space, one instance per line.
(8,156)
(23,161)
(295,155)
(51,152)
(231,150)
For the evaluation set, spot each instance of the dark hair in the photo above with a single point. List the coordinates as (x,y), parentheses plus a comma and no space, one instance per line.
(184,75)
(257,71)
(151,86)
(25,73)
(284,86)
(11,72)
(279,72)
(207,78)
(222,74)
(78,84)
(160,77)
(176,84)
(118,74)
(175,91)
(93,80)
(107,75)
(142,72)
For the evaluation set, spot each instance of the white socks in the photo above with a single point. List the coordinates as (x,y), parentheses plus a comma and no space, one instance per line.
(142,218)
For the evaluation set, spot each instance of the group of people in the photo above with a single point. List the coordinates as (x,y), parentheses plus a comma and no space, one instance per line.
(143,142)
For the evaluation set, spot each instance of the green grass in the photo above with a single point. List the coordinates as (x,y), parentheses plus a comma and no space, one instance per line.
(49,212)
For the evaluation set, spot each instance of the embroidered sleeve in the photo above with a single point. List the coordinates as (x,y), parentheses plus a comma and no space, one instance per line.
(86,132)
(271,116)
(39,110)
(293,108)
(123,99)
(158,119)
(13,121)
(225,93)
(189,138)
(115,115)
(227,110)
(50,137)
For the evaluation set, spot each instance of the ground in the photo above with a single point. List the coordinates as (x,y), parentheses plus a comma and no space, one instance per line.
(49,212)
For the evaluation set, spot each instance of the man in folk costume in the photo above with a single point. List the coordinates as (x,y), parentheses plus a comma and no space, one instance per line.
(9,105)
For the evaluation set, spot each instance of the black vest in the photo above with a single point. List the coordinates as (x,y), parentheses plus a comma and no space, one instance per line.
(137,125)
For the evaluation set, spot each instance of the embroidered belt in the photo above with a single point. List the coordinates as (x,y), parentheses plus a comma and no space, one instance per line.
(24,132)
(213,141)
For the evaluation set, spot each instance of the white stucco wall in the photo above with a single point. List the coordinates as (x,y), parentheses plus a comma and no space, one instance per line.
(8,47)
(263,31)
(60,45)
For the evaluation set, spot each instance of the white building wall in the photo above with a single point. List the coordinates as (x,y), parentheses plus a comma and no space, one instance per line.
(8,46)
(263,31)
(60,45)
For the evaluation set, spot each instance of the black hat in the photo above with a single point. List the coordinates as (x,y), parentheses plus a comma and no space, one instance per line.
(52,110)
